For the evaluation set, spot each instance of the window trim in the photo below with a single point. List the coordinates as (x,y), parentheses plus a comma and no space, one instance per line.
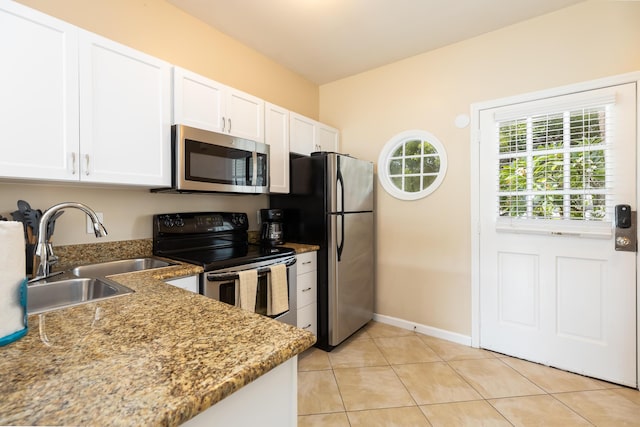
(392,145)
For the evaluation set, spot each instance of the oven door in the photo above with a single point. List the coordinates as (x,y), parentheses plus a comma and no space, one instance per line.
(210,161)
(221,285)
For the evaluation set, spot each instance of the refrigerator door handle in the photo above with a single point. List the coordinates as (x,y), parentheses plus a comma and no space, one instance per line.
(341,244)
(340,181)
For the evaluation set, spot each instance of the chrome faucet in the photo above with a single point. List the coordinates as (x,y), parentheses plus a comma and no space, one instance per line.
(44,249)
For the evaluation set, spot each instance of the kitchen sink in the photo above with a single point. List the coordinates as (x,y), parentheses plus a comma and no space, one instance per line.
(109,268)
(56,295)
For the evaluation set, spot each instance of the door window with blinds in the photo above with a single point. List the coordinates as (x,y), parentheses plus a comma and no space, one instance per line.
(554,166)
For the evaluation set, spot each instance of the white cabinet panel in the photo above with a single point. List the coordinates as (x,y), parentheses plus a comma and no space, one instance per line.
(206,104)
(307,262)
(327,138)
(307,292)
(302,134)
(307,318)
(189,283)
(124,114)
(308,136)
(245,115)
(39,94)
(78,107)
(198,101)
(276,126)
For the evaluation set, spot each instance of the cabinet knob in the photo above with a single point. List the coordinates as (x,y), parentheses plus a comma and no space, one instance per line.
(73,163)
(86,156)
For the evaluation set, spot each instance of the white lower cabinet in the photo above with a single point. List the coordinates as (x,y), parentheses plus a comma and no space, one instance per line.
(307,294)
(269,401)
(189,283)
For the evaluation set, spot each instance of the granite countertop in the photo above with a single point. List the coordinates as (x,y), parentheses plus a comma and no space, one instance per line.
(158,356)
(301,248)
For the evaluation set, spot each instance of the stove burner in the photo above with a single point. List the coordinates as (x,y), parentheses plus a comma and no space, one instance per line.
(214,240)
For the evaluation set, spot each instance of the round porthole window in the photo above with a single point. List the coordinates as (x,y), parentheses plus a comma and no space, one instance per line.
(412,165)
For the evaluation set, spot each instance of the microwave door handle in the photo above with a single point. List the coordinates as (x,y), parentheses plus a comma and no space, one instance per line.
(254,176)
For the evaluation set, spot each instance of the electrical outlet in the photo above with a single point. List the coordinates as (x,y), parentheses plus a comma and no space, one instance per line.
(90,223)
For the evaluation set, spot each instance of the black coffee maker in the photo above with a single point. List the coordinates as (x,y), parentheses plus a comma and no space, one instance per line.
(272,230)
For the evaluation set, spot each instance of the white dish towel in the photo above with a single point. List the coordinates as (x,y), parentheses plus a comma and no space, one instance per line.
(12,274)
(277,293)
(247,284)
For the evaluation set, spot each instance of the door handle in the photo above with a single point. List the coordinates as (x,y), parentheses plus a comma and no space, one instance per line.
(625,229)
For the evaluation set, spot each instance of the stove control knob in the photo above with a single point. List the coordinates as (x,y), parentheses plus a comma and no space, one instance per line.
(179,222)
(168,222)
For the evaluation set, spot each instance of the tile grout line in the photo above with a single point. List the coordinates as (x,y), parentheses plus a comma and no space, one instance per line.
(402,382)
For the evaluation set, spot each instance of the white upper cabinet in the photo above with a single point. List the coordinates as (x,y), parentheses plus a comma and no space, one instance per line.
(276,126)
(327,138)
(206,104)
(39,95)
(197,101)
(302,136)
(125,114)
(308,136)
(244,115)
(78,107)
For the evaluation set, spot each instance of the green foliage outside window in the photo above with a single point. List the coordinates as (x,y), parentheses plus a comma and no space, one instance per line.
(414,166)
(545,159)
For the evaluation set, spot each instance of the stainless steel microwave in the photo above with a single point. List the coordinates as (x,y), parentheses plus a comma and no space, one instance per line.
(204,161)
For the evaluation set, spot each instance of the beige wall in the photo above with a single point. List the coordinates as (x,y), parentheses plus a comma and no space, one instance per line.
(164,31)
(160,29)
(424,254)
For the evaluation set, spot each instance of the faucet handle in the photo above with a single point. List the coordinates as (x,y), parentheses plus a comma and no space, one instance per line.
(52,258)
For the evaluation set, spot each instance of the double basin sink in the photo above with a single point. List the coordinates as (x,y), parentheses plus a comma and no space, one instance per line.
(83,284)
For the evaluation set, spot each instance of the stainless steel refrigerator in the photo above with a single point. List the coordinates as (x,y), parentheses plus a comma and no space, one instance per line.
(331,204)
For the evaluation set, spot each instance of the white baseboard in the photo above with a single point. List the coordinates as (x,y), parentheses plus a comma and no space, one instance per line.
(423,329)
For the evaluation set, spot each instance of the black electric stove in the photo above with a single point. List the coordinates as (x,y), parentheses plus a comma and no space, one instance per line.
(214,240)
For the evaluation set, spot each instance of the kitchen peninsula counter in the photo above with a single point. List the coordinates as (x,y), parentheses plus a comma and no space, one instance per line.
(158,356)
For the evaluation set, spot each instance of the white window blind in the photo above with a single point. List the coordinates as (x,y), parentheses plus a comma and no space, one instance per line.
(554,165)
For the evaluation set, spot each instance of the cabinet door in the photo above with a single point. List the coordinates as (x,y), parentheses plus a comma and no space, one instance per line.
(197,101)
(307,288)
(276,126)
(244,115)
(306,262)
(124,114)
(302,136)
(327,138)
(39,95)
(307,318)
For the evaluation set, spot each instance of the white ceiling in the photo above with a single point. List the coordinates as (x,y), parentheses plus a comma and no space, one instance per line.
(325,40)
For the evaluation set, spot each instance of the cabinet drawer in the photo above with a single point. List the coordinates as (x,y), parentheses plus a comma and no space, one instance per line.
(307,288)
(307,318)
(306,262)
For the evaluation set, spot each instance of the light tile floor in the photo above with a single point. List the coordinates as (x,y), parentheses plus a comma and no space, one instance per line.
(387,376)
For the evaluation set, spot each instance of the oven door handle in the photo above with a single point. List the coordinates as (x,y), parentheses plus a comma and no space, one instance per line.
(233,275)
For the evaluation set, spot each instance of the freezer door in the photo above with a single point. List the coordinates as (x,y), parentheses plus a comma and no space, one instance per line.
(350,275)
(350,184)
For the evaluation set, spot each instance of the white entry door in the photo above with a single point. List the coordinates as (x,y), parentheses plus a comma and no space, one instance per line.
(553,289)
